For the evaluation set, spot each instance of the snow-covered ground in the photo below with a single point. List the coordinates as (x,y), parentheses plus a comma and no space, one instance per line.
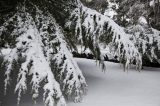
(112,88)
(118,88)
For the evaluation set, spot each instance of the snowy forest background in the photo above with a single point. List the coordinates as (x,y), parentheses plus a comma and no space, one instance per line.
(38,39)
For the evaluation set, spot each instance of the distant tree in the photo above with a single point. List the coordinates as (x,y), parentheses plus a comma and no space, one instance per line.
(99,5)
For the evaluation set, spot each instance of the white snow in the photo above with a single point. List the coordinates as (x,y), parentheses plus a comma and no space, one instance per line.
(114,87)
(112,3)
(110,13)
(118,88)
(6,51)
(142,20)
(151,3)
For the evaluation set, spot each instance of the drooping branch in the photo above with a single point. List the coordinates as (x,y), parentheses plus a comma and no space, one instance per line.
(39,40)
(89,26)
(147,40)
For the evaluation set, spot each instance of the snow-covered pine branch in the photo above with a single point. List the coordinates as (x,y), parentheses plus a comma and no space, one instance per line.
(29,46)
(90,26)
(38,40)
(147,40)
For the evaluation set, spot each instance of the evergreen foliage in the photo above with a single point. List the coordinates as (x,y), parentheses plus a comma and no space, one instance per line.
(40,36)
(35,37)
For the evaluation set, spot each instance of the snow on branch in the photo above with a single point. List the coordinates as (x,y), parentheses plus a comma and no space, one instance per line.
(29,46)
(90,25)
(70,77)
(35,37)
(147,40)
(64,67)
